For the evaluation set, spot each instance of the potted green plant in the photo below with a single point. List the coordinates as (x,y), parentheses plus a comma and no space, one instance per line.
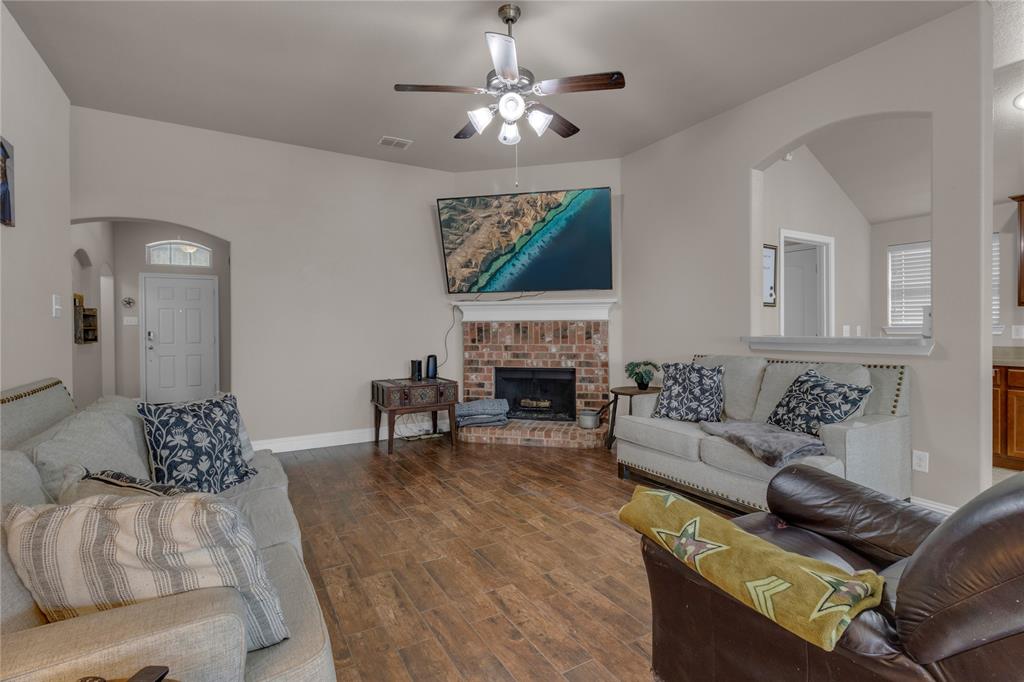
(641,371)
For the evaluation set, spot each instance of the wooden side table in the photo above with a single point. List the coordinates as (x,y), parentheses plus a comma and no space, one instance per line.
(626,391)
(396,397)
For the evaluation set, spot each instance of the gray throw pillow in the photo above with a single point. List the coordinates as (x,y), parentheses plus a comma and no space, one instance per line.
(94,440)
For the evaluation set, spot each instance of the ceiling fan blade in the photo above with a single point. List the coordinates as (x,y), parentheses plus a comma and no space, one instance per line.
(503,54)
(467,132)
(561,125)
(460,89)
(610,80)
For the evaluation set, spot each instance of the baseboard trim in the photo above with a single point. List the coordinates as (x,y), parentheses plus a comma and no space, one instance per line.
(309,441)
(329,439)
(944,509)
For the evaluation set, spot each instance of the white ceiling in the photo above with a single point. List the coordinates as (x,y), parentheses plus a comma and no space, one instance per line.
(883,163)
(320,74)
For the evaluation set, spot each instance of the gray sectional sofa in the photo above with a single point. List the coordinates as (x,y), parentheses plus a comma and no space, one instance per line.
(872,447)
(199,635)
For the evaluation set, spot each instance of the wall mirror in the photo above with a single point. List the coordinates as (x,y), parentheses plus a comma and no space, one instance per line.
(846,212)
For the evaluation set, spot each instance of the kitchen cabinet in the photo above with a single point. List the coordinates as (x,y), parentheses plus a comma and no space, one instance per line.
(1008,417)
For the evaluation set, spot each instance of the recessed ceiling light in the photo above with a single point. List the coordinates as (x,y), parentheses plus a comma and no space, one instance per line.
(1018,101)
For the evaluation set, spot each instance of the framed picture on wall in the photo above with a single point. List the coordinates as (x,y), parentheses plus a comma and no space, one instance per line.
(6,183)
(769,280)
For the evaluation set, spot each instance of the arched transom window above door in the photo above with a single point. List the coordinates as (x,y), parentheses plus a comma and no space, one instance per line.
(179,253)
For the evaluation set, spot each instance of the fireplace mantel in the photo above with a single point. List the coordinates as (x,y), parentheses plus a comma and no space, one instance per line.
(536,309)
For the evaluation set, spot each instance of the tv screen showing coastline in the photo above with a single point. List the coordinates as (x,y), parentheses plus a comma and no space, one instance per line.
(535,241)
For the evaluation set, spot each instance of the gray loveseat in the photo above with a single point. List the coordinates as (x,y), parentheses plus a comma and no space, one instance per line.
(199,635)
(872,447)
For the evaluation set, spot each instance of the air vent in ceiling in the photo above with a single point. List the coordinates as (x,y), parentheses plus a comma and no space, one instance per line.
(396,142)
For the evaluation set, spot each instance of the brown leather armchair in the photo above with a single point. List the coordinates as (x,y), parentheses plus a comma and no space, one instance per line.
(952,609)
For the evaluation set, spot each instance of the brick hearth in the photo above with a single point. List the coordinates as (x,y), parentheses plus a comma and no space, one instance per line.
(581,344)
(539,433)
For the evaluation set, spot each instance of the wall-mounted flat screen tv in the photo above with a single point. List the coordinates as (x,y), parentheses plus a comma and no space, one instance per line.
(534,241)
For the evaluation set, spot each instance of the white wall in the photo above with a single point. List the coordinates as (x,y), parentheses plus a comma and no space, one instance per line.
(336,271)
(690,252)
(801,195)
(34,117)
(97,241)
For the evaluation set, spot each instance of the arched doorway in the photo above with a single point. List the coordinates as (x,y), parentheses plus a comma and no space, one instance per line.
(133,249)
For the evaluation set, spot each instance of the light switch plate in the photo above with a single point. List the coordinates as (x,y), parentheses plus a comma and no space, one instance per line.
(920,461)
(56,307)
(1017,331)
(130,321)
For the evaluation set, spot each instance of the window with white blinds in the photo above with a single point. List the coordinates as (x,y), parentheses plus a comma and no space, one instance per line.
(995,279)
(910,283)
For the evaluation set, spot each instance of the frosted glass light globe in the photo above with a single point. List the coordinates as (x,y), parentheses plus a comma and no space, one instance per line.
(509,134)
(511,106)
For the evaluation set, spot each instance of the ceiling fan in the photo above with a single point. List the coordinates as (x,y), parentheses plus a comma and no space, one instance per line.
(509,83)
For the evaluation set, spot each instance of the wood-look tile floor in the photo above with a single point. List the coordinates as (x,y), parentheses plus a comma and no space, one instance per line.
(487,563)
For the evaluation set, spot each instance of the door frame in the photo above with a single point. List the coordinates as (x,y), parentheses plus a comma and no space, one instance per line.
(143,276)
(108,330)
(826,273)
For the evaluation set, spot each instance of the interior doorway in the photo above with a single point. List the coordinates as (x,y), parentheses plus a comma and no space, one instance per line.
(806,284)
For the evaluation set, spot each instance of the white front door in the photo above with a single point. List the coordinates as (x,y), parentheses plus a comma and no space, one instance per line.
(180,333)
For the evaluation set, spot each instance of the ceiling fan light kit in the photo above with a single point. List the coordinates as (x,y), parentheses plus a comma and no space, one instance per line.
(481,118)
(511,105)
(509,134)
(539,121)
(508,83)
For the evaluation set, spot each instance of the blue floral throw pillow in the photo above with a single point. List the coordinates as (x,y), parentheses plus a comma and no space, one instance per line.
(195,445)
(691,393)
(813,401)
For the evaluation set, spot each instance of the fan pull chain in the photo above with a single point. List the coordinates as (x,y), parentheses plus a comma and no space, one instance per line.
(517,164)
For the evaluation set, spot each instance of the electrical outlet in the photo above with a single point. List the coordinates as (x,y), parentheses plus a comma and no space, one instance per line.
(920,461)
(1017,331)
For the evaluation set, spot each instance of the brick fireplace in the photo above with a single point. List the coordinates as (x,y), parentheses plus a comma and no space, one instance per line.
(577,345)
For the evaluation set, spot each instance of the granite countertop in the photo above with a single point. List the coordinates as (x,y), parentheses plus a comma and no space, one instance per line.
(1008,357)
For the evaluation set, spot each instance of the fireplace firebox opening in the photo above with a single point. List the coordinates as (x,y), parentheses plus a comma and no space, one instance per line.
(536,393)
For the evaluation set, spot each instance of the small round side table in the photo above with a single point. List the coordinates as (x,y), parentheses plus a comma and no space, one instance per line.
(629,391)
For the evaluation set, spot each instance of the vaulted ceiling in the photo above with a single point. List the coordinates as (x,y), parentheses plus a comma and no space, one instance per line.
(320,74)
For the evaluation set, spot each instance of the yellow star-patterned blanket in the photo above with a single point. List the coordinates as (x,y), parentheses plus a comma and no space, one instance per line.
(812,599)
